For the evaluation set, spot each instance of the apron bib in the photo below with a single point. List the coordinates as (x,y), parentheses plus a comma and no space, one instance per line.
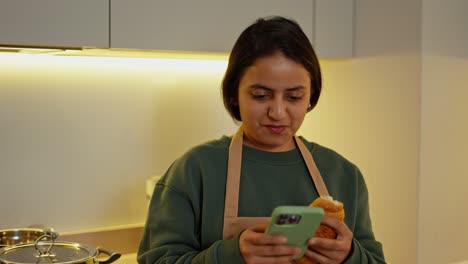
(234,224)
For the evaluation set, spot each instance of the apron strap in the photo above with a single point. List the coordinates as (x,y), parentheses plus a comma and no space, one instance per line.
(312,167)
(231,201)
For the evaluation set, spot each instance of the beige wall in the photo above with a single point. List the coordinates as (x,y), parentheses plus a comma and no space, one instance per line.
(79,136)
(364,117)
(382,117)
(443,234)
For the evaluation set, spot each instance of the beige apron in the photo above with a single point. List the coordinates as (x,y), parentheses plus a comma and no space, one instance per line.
(234,224)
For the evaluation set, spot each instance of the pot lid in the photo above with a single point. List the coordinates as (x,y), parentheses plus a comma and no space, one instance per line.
(47,252)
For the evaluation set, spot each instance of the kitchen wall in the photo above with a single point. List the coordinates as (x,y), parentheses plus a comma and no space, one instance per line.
(380,117)
(443,235)
(79,136)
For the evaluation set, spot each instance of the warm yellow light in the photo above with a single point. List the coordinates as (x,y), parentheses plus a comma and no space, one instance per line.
(113,52)
(163,71)
(31,50)
(166,59)
(147,54)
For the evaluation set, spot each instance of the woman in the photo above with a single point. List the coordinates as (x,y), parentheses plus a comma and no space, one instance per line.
(213,203)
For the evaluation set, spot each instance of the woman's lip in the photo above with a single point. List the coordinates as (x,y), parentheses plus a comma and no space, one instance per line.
(275,128)
(275,125)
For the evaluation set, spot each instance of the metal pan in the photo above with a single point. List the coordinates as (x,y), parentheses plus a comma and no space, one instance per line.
(52,252)
(14,236)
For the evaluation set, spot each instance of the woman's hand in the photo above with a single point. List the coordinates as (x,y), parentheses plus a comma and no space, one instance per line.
(331,251)
(257,247)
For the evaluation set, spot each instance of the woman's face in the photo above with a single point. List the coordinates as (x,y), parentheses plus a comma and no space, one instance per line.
(273,97)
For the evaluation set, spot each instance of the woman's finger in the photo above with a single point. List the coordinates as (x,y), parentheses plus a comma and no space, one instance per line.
(341,229)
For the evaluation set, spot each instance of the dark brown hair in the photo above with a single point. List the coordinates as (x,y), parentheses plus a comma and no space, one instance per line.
(263,38)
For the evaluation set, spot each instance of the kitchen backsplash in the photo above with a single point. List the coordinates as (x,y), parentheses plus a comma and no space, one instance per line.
(80,135)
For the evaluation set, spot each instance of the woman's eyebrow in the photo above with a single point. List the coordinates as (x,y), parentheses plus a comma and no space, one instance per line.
(264,87)
(296,88)
(260,86)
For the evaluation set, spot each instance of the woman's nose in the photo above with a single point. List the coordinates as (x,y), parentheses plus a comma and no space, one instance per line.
(277,110)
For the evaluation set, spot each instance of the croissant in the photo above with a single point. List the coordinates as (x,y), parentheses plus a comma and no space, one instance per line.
(331,208)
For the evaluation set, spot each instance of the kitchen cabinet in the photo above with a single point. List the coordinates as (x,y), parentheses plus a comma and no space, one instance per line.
(214,25)
(55,23)
(334,28)
(202,25)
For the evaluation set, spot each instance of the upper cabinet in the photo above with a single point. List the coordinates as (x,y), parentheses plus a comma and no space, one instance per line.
(214,25)
(202,25)
(334,28)
(65,23)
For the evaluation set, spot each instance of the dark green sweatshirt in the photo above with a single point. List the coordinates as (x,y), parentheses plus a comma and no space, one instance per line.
(185,217)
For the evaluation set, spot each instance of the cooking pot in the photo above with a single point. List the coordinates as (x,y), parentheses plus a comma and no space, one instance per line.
(46,250)
(9,237)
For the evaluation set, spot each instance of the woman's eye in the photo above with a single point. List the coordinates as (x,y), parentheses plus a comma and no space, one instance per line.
(260,96)
(294,98)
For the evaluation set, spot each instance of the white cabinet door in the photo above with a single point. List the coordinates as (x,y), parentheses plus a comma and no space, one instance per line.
(334,28)
(196,25)
(55,22)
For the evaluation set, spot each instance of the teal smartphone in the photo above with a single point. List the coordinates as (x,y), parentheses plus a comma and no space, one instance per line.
(297,223)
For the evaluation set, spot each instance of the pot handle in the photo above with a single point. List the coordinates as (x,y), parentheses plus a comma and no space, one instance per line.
(46,229)
(113,256)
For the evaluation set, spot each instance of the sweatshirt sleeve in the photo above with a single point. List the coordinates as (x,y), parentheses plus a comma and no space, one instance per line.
(365,248)
(172,235)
